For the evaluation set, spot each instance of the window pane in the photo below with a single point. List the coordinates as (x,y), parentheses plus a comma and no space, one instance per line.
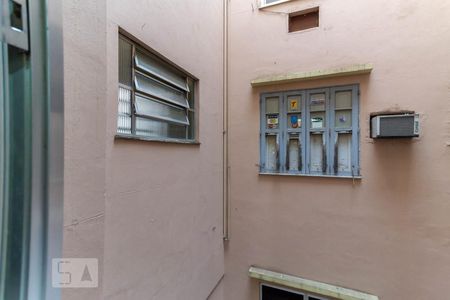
(16,19)
(343,119)
(191,95)
(318,120)
(17,152)
(344,152)
(317,156)
(271,163)
(294,103)
(160,90)
(317,102)
(160,69)
(124,112)
(272,121)
(295,121)
(161,110)
(344,100)
(157,129)
(272,106)
(294,153)
(191,129)
(124,62)
(271,293)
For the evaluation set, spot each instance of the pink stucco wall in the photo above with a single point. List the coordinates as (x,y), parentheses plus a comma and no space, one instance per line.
(84,26)
(151,212)
(387,234)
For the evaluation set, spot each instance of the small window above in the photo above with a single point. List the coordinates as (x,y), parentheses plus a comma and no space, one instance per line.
(303,20)
(265,3)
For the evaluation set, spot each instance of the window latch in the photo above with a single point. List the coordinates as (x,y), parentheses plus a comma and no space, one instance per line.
(14,23)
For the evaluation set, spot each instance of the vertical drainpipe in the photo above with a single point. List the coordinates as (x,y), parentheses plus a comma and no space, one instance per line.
(226,183)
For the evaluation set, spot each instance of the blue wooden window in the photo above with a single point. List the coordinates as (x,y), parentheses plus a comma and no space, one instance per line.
(313,132)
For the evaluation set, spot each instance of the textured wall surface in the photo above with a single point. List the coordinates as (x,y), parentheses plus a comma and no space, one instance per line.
(164,222)
(151,212)
(85,134)
(387,234)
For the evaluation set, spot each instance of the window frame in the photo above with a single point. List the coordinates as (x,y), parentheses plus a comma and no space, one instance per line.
(191,96)
(264,4)
(300,13)
(330,132)
(306,296)
(41,153)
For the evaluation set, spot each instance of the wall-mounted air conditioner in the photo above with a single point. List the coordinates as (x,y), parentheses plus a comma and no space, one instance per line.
(395,126)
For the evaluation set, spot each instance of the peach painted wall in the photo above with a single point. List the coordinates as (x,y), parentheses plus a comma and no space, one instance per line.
(151,212)
(84,24)
(163,230)
(387,234)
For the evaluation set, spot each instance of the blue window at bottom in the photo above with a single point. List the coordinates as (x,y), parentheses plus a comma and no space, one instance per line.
(273,293)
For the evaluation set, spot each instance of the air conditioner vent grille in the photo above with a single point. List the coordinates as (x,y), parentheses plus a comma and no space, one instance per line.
(396,126)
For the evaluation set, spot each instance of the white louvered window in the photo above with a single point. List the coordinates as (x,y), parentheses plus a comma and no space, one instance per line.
(156,99)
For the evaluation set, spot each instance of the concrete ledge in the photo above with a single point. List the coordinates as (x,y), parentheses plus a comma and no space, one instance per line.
(318,74)
(124,136)
(307,285)
(310,175)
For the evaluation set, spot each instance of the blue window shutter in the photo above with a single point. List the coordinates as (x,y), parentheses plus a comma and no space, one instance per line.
(333,131)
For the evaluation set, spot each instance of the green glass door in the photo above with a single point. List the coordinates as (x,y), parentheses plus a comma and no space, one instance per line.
(31,131)
(24,123)
(16,171)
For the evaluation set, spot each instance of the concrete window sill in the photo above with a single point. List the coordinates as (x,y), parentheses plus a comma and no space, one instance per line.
(310,175)
(313,75)
(157,140)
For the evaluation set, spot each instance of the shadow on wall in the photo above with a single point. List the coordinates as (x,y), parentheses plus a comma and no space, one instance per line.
(394,166)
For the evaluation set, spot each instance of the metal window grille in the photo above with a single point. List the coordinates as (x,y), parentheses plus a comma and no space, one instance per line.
(155,99)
